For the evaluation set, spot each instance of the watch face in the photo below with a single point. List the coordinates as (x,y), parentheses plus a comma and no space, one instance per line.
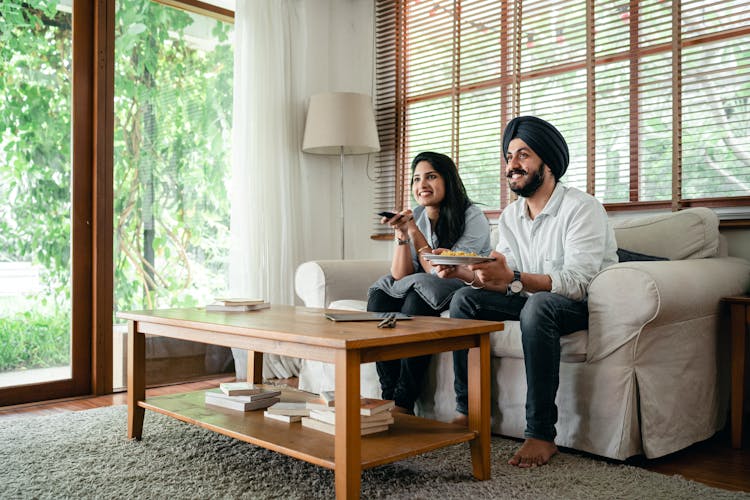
(516,286)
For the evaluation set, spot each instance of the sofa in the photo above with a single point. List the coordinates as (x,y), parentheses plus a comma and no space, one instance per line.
(648,377)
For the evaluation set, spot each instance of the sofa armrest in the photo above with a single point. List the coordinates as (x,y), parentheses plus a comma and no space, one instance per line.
(626,297)
(320,282)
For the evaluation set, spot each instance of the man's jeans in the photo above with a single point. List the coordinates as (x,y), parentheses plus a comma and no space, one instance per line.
(544,317)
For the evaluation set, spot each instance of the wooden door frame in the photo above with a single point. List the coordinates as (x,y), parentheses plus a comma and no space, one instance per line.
(91,213)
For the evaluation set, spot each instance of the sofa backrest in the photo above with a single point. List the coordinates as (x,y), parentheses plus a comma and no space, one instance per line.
(688,234)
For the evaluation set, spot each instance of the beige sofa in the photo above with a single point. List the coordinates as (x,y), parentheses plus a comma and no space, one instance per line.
(643,379)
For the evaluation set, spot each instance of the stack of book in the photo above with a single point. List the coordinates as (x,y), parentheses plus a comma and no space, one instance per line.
(375,415)
(287,411)
(240,305)
(242,396)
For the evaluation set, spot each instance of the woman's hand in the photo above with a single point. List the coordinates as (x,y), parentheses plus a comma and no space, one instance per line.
(448,271)
(402,223)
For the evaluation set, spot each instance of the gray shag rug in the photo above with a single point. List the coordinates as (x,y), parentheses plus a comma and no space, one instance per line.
(86,455)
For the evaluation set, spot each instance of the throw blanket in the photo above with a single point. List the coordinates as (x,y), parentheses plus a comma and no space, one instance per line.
(436,291)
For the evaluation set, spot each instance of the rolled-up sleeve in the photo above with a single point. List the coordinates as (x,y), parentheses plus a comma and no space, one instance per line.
(586,249)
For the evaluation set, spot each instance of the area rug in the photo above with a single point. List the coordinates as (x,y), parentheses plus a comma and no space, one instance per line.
(86,455)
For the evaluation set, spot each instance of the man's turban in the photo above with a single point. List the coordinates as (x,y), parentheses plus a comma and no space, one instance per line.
(543,138)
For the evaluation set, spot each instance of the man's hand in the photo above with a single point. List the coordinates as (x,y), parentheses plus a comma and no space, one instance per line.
(493,275)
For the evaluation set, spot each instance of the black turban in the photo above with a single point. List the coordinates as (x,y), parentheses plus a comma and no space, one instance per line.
(543,138)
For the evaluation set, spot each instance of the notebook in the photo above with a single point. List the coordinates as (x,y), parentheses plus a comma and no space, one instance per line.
(364,316)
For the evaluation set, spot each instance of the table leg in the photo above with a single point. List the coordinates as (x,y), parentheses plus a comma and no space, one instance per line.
(479,406)
(348,441)
(255,367)
(136,380)
(739,319)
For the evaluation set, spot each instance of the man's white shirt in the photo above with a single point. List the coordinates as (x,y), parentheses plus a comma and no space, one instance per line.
(570,240)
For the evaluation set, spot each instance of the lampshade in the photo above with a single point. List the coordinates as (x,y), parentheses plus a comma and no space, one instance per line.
(340,119)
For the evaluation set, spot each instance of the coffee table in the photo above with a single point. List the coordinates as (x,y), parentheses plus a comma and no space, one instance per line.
(305,333)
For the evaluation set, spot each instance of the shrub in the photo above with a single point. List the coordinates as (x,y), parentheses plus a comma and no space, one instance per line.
(30,340)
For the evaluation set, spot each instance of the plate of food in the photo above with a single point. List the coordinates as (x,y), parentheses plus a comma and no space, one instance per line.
(451,258)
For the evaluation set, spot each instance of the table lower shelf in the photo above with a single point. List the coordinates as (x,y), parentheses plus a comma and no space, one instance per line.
(407,436)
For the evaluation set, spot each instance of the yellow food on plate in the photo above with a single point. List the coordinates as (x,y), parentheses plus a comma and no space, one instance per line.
(458,253)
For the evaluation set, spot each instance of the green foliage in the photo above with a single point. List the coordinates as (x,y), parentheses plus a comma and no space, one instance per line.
(172,126)
(32,340)
(35,51)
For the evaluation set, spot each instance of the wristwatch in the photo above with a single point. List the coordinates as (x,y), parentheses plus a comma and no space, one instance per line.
(515,286)
(399,241)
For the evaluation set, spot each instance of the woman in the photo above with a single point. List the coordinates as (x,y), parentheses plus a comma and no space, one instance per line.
(444,218)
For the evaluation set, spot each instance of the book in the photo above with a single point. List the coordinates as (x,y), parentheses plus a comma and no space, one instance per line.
(319,404)
(289,409)
(282,418)
(384,418)
(239,388)
(232,404)
(328,397)
(239,301)
(237,307)
(371,406)
(368,406)
(245,398)
(318,425)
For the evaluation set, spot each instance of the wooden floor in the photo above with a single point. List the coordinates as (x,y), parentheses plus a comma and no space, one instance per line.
(712,462)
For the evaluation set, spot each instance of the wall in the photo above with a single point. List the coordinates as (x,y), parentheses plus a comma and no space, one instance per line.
(738,242)
(340,58)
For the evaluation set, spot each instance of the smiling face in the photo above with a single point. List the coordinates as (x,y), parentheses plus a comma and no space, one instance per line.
(525,170)
(427,185)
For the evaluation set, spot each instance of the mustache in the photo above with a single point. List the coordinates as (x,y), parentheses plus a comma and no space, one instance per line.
(516,171)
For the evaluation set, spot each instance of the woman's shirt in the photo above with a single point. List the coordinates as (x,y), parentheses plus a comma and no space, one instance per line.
(436,291)
(475,238)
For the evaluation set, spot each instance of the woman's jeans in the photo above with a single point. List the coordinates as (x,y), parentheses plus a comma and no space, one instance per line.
(544,317)
(402,379)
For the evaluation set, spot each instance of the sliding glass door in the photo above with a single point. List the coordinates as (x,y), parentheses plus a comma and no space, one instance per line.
(172,131)
(37,189)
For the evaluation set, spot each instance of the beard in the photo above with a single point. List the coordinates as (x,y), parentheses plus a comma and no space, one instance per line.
(536,180)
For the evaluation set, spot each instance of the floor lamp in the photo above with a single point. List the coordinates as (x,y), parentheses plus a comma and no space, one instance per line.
(340,123)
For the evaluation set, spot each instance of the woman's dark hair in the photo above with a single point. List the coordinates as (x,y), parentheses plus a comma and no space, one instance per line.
(452,219)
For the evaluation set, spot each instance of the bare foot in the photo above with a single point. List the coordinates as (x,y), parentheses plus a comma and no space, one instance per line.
(401,409)
(533,452)
(461,419)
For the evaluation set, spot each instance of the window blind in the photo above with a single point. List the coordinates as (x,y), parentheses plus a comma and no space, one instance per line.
(651,95)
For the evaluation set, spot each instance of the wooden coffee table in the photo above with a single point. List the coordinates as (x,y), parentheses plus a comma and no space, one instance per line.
(305,333)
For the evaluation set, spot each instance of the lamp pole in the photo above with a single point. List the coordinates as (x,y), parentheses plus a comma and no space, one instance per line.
(341,206)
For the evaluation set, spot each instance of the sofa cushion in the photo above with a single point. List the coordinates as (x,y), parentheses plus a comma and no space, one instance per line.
(506,343)
(687,234)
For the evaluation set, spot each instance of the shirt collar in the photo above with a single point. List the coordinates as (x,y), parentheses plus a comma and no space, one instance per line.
(552,206)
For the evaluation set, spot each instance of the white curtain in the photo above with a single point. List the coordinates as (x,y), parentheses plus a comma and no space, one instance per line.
(266,138)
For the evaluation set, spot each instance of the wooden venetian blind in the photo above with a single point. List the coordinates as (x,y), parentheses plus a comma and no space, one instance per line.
(651,95)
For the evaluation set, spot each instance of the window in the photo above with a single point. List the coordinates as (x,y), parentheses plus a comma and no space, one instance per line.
(651,95)
(172,132)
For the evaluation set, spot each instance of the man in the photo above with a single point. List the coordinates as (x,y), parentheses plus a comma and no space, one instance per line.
(553,240)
